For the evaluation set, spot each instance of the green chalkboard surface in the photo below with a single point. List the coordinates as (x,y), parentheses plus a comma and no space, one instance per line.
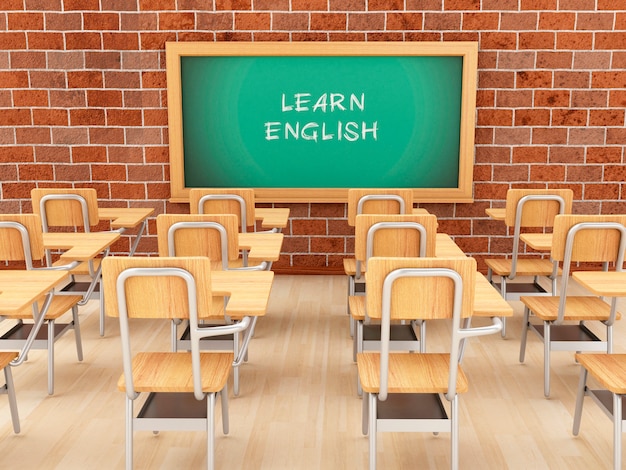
(313,122)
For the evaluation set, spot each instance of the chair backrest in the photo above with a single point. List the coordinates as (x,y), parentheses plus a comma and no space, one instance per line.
(424,298)
(394,235)
(538,206)
(378,201)
(157,295)
(66,207)
(212,235)
(21,238)
(238,201)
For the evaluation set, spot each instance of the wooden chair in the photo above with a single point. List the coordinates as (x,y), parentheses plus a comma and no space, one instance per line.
(609,371)
(404,392)
(390,236)
(576,238)
(73,209)
(528,209)
(21,241)
(182,386)
(213,236)
(8,388)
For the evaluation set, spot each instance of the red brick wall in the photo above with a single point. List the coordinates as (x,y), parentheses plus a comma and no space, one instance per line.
(83,99)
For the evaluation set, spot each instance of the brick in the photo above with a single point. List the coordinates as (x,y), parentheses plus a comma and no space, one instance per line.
(123,117)
(104,98)
(481,21)
(144,136)
(587,136)
(309,261)
(442,21)
(103,60)
(485,98)
(62,60)
(594,21)
(158,190)
(601,191)
(369,22)
(287,21)
(87,154)
(153,80)
(73,172)
(603,155)
(495,117)
(118,5)
(534,79)
(9,41)
(549,136)
(149,41)
(554,60)
(139,22)
(484,135)
(87,117)
(42,5)
(120,41)
(538,4)
(50,117)
(569,117)
(226,21)
(15,117)
(176,21)
(491,191)
(320,21)
(510,173)
(17,190)
(36,172)
(28,98)
(308,227)
(339,227)
(552,98)
(567,154)
(532,117)
(530,154)
(63,21)
(327,245)
(571,79)
(83,41)
(519,21)
(125,154)
(574,41)
(109,172)
(346,5)
(12,5)
(141,98)
(100,135)
(8,172)
(68,98)
(157,154)
(404,21)
(6,101)
(514,98)
(385,5)
(610,41)
(128,191)
(25,21)
(84,79)
(463,5)
(617,98)
(557,21)
(496,79)
(587,173)
(49,153)
(150,173)
(493,154)
(45,40)
(592,60)
(498,40)
(210,36)
(577,5)
(511,136)
(547,173)
(536,40)
(140,60)
(606,117)
(155,117)
(101,21)
(18,154)
(614,173)
(69,136)
(612,79)
(32,135)
(114,79)
(327,210)
(81,5)
(155,5)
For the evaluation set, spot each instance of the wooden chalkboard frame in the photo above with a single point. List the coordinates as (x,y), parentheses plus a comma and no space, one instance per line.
(467,50)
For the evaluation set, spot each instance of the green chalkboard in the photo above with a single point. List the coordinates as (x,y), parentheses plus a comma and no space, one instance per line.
(304,123)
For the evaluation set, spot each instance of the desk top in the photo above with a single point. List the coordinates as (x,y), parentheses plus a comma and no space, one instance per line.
(249,291)
(20,288)
(445,247)
(537,241)
(487,300)
(610,284)
(261,246)
(80,246)
(272,217)
(496,213)
(125,217)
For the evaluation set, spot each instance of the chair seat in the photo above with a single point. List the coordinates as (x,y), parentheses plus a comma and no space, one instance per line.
(577,308)
(608,369)
(60,304)
(525,267)
(409,373)
(171,372)
(6,357)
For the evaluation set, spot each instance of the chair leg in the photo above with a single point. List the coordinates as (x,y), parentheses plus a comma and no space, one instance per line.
(358,344)
(77,335)
(365,414)
(102,316)
(546,359)
(503,293)
(617,431)
(525,326)
(580,396)
(225,417)
(373,414)
(454,433)
(236,367)
(50,358)
(15,417)
(210,431)
(129,433)
(609,339)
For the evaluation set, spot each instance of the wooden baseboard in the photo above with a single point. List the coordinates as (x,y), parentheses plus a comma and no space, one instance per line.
(298,270)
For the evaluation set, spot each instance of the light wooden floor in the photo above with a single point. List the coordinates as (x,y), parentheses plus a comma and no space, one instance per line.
(298,407)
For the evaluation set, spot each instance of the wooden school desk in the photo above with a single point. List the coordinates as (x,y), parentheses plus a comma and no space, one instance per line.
(248,290)
(272,217)
(261,246)
(124,218)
